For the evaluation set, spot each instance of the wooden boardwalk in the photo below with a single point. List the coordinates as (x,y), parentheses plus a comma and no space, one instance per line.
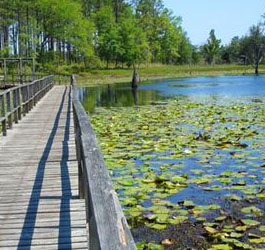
(39,205)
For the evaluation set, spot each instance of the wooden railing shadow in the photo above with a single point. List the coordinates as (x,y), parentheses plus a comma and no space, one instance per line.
(27,232)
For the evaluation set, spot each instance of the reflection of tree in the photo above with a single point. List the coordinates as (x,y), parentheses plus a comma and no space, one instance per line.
(88,97)
(135,96)
(115,96)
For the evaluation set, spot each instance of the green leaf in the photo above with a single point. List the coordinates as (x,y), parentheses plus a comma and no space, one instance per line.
(188,204)
(178,220)
(126,183)
(236,235)
(221,247)
(233,197)
(257,241)
(221,218)
(153,246)
(249,210)
(241,228)
(211,230)
(156,226)
(249,222)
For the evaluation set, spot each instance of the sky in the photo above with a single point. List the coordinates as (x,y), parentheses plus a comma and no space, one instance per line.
(229,18)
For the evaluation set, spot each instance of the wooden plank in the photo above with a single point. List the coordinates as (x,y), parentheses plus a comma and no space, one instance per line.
(36,242)
(74,245)
(38,163)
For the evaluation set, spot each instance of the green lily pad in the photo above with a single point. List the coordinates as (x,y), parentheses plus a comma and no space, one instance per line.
(251,209)
(211,230)
(249,222)
(233,197)
(153,246)
(188,204)
(177,220)
(221,218)
(236,235)
(156,226)
(241,228)
(221,247)
(257,241)
(126,183)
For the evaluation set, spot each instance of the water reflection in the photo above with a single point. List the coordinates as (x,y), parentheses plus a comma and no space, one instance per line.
(117,95)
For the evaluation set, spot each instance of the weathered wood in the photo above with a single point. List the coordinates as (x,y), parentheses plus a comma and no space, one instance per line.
(30,94)
(3,118)
(39,208)
(108,228)
(52,157)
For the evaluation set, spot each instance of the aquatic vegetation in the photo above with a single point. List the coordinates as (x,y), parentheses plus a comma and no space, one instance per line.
(189,173)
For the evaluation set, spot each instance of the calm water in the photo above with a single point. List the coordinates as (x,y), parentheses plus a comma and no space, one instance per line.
(122,95)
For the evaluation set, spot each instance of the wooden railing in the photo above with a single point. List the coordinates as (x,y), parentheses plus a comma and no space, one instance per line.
(108,228)
(19,100)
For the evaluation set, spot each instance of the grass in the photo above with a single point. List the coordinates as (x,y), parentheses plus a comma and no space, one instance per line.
(158,71)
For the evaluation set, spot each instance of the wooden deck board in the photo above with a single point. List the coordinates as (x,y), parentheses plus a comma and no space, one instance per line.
(39,208)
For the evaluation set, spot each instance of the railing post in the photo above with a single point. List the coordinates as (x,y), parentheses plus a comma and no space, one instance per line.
(81,184)
(14,93)
(19,111)
(34,90)
(2,98)
(8,109)
(79,160)
(27,99)
(30,96)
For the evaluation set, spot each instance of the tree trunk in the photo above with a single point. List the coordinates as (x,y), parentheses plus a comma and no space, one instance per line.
(135,78)
(14,34)
(116,10)
(6,36)
(20,42)
(69,53)
(257,69)
(64,53)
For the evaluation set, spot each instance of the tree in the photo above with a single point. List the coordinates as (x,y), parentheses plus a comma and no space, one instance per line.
(134,46)
(211,48)
(253,46)
(70,31)
(185,50)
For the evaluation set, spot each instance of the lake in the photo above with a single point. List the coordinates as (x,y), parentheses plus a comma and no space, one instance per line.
(186,157)
(121,95)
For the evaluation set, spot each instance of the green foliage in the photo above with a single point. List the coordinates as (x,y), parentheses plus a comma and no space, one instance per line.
(4,52)
(253,46)
(134,47)
(168,182)
(115,32)
(109,46)
(211,48)
(248,49)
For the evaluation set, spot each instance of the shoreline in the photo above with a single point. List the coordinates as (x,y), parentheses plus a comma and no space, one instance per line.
(99,78)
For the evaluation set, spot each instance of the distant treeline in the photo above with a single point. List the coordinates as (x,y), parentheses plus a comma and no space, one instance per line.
(105,32)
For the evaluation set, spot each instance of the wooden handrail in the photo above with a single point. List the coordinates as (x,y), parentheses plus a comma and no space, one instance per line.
(20,100)
(108,227)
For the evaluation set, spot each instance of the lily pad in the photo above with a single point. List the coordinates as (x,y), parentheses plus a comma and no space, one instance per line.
(221,247)
(249,222)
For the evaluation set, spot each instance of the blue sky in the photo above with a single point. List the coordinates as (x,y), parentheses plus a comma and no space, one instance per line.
(228,17)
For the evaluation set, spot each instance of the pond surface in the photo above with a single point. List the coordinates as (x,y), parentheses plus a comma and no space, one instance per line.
(121,95)
(189,170)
